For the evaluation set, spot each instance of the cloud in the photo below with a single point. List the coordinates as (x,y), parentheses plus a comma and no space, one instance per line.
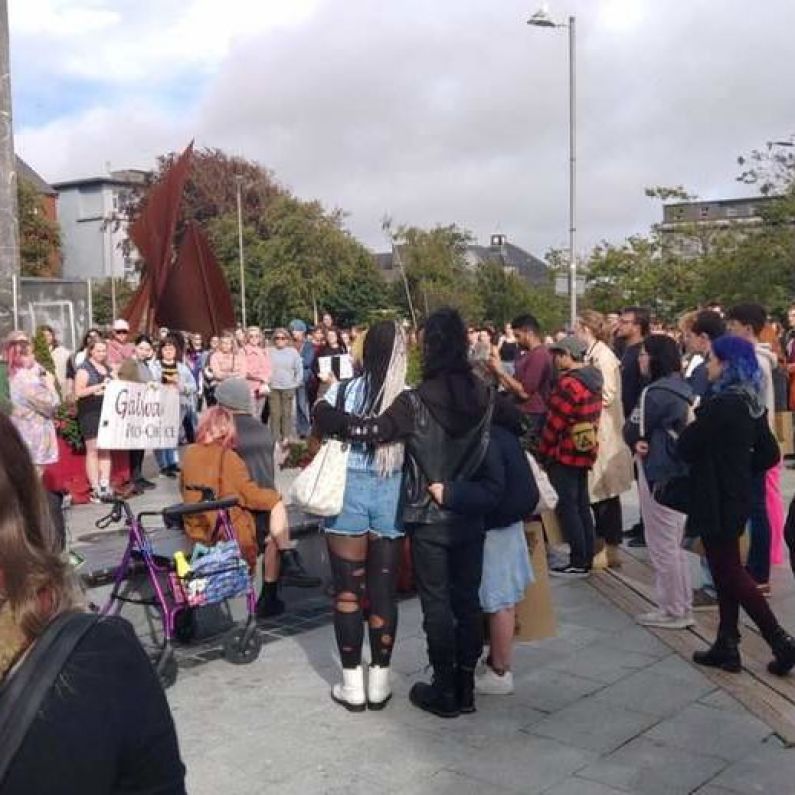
(433,112)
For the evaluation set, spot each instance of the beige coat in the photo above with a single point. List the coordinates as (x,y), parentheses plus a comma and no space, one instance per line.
(612,473)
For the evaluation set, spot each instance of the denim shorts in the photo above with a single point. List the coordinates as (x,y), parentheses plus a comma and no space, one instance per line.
(370,504)
(506,568)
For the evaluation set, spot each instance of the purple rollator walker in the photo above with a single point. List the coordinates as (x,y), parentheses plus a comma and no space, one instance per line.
(172,595)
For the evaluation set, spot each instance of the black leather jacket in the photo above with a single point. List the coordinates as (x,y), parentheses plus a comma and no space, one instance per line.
(435,456)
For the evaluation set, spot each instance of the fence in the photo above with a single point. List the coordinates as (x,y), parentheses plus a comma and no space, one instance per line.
(64,304)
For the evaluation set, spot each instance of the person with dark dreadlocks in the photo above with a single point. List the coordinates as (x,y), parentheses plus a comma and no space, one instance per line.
(444,424)
(364,539)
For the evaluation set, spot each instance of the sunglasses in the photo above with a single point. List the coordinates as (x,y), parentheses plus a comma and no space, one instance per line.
(280,337)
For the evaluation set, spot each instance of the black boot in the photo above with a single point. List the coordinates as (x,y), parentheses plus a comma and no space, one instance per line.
(723,654)
(783,646)
(465,690)
(293,571)
(439,697)
(269,604)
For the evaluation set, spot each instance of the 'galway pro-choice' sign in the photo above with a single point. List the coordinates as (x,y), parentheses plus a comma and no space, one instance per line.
(138,417)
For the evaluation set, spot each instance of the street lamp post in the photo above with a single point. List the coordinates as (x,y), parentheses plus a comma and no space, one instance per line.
(542,19)
(239,181)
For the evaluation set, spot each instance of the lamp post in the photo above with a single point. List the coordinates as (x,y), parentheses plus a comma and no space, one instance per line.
(542,19)
(239,181)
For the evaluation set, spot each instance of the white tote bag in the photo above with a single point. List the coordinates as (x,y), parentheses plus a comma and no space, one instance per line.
(319,489)
(547,496)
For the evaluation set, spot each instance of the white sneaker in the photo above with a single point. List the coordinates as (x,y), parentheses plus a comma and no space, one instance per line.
(490,683)
(663,620)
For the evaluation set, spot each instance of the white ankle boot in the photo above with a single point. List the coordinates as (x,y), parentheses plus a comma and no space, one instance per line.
(350,694)
(378,689)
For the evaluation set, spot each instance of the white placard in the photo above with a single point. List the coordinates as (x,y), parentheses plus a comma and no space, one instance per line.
(138,417)
(346,365)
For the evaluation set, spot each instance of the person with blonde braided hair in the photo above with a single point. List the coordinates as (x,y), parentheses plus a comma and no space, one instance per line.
(365,539)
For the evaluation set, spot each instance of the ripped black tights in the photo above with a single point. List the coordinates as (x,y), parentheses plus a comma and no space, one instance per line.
(364,565)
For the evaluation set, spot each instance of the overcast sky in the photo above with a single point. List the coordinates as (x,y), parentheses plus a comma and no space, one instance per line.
(430,111)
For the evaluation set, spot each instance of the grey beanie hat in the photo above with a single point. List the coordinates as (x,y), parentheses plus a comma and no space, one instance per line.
(234,394)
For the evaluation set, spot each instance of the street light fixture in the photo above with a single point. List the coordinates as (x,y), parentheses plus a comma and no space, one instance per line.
(542,19)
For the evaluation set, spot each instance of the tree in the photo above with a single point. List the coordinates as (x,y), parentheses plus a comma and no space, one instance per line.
(39,237)
(101,299)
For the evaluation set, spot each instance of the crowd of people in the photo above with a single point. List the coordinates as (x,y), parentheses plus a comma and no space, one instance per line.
(687,413)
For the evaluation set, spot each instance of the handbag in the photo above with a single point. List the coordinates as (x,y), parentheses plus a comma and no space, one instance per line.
(547,496)
(766,452)
(217,573)
(23,693)
(320,488)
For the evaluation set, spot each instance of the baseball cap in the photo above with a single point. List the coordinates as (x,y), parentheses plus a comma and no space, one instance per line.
(571,345)
(121,325)
(297,325)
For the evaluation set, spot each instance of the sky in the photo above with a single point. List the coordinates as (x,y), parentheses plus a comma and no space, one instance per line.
(424,111)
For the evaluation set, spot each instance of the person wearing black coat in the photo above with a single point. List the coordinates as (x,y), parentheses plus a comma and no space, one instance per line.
(507,494)
(729,440)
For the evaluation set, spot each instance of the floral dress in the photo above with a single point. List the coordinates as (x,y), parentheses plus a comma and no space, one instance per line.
(34,407)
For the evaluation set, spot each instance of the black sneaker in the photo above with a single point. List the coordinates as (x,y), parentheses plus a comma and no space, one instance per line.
(637,541)
(569,572)
(143,483)
(293,572)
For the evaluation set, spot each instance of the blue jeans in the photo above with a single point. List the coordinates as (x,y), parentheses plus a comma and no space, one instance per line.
(166,458)
(759,552)
(303,420)
(574,511)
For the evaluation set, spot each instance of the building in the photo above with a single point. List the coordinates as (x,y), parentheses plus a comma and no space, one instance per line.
(47,193)
(92,215)
(687,226)
(513,259)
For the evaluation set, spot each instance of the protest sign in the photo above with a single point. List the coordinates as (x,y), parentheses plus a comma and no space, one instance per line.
(138,417)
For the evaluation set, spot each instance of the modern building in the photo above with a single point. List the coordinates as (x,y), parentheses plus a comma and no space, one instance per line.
(513,259)
(93,219)
(686,225)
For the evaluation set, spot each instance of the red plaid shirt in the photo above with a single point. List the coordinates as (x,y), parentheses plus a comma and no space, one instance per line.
(570,403)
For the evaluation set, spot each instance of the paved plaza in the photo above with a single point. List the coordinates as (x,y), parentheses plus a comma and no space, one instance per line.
(604,707)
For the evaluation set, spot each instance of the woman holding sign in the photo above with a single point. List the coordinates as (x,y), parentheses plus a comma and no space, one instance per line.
(90,380)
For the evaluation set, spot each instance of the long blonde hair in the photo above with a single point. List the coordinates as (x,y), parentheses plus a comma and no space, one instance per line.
(38,583)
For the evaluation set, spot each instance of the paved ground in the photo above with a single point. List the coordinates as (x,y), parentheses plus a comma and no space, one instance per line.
(603,708)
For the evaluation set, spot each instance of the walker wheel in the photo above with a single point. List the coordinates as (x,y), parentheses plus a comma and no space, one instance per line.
(185,625)
(167,669)
(239,651)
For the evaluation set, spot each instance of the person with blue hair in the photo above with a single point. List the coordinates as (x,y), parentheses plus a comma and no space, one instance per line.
(726,446)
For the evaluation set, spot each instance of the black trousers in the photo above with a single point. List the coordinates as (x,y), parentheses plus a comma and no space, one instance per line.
(574,511)
(448,562)
(136,465)
(609,520)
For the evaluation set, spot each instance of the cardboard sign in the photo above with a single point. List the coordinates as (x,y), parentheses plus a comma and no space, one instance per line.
(139,417)
(535,615)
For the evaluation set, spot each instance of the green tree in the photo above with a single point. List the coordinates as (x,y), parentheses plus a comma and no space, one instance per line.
(102,303)
(39,237)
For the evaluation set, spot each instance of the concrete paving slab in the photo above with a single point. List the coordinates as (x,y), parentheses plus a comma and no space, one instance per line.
(603,663)
(525,763)
(711,731)
(593,726)
(651,768)
(652,693)
(766,770)
(549,690)
(580,786)
(447,782)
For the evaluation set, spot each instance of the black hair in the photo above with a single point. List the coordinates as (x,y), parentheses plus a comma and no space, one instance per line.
(710,323)
(444,344)
(642,317)
(664,356)
(376,356)
(753,315)
(143,338)
(527,322)
(92,332)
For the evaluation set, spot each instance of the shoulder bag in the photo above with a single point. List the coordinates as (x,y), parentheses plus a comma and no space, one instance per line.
(320,488)
(23,693)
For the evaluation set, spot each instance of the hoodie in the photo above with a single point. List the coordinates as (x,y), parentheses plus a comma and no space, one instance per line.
(575,406)
(661,415)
